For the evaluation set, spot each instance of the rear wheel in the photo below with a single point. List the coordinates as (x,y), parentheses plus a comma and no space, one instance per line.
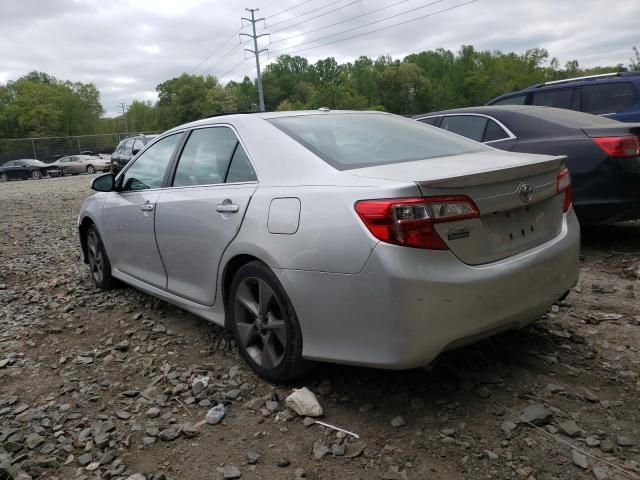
(98,261)
(265,325)
(90,169)
(4,177)
(36,174)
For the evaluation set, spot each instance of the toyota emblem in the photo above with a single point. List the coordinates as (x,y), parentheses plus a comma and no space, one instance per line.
(525,191)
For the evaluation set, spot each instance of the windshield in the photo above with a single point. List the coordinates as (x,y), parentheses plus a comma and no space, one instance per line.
(356,140)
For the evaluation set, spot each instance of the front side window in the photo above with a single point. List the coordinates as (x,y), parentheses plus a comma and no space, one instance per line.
(554,98)
(127,148)
(148,169)
(608,97)
(515,100)
(11,164)
(356,140)
(207,159)
(138,144)
(466,125)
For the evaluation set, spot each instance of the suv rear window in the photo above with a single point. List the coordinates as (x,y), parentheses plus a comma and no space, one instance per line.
(608,97)
(356,140)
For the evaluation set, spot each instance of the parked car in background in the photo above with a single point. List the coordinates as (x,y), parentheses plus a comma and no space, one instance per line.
(613,95)
(603,155)
(76,164)
(127,149)
(353,237)
(27,168)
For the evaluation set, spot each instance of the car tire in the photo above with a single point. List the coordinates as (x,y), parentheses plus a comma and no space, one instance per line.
(36,174)
(98,260)
(90,169)
(265,325)
(4,177)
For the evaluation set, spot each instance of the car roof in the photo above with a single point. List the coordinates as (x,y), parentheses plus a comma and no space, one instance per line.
(242,117)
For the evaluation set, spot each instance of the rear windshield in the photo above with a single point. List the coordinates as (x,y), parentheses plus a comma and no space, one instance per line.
(570,118)
(356,140)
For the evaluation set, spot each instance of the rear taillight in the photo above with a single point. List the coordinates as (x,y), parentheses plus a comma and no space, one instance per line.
(619,147)
(410,221)
(563,184)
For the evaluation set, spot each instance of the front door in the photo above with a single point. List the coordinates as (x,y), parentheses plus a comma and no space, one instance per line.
(202,212)
(129,214)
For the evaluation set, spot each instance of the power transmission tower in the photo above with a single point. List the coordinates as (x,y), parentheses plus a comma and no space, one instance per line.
(124,115)
(253,20)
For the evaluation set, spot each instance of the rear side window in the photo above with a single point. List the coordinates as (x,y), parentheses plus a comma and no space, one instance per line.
(211,156)
(515,100)
(494,132)
(466,125)
(429,121)
(554,98)
(608,97)
(357,140)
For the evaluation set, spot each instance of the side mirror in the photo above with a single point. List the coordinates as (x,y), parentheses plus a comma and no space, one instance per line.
(104,183)
(135,151)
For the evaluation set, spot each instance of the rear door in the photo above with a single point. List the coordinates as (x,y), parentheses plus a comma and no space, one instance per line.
(75,165)
(129,214)
(211,186)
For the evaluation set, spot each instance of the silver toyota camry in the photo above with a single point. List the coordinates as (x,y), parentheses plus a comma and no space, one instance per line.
(360,238)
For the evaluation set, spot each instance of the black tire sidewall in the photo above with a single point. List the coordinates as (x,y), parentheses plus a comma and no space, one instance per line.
(108,282)
(292,365)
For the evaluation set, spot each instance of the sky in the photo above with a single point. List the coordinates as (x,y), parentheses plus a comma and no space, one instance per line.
(127,47)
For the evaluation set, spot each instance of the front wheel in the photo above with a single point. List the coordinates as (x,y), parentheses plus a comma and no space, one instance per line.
(99,261)
(90,169)
(265,325)
(4,177)
(36,174)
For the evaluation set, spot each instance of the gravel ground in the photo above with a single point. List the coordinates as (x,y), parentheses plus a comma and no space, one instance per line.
(109,385)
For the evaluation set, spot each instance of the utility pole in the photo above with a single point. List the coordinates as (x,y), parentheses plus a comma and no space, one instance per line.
(124,115)
(253,20)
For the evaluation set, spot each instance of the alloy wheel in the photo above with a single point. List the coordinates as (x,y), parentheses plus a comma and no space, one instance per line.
(36,174)
(4,177)
(260,322)
(90,169)
(96,257)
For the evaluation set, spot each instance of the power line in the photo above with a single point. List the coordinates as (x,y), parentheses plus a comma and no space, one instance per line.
(333,24)
(362,26)
(321,15)
(220,61)
(234,67)
(216,50)
(372,31)
(288,9)
(303,14)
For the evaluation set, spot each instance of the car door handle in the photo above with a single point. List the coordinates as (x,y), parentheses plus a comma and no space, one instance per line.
(227,207)
(147,207)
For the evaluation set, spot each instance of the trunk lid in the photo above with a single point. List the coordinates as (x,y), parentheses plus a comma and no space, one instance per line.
(515,195)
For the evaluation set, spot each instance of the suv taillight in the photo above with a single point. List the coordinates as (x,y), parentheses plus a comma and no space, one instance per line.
(410,221)
(620,147)
(563,184)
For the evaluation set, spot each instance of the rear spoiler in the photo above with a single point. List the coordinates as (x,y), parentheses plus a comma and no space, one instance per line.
(538,167)
(618,131)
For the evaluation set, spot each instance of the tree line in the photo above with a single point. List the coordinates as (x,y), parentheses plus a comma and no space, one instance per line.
(40,105)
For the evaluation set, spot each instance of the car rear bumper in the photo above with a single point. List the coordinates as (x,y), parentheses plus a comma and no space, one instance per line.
(408,305)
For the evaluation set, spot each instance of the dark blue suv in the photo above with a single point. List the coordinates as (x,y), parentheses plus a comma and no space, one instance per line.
(613,95)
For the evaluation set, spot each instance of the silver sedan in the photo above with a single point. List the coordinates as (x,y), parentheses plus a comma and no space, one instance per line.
(360,238)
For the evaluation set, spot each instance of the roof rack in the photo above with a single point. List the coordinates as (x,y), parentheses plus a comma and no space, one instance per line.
(587,77)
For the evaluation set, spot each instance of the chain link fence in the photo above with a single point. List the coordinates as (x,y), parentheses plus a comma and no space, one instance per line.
(49,149)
